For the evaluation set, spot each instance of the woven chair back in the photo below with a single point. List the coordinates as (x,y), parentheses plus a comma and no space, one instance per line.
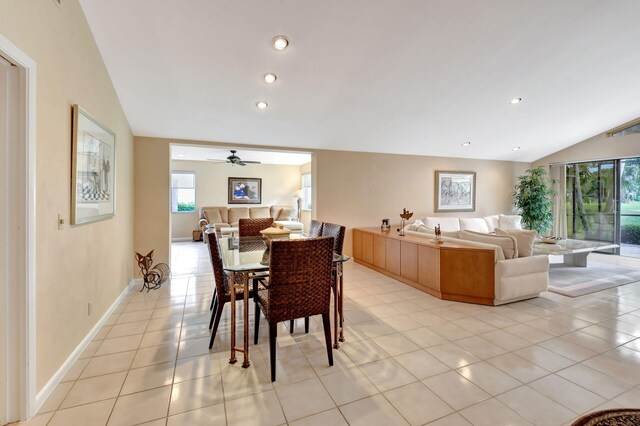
(216,263)
(299,278)
(252,227)
(336,231)
(315,230)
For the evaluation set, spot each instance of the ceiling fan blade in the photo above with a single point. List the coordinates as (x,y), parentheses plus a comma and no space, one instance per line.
(239,163)
(251,162)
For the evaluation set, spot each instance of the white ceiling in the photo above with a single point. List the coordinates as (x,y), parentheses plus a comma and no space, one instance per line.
(408,76)
(204,153)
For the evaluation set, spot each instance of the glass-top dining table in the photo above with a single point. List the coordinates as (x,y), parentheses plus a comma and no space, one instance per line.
(249,257)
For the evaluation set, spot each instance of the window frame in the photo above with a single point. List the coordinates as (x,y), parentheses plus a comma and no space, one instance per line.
(307,204)
(195,205)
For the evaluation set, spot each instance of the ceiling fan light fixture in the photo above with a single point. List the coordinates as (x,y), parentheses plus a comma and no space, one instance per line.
(262,105)
(270,78)
(280,42)
(516,101)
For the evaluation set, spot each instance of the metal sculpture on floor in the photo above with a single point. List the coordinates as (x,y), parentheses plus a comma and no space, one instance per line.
(153,276)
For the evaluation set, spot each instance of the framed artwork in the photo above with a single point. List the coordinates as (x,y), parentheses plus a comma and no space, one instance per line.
(93,166)
(245,190)
(455,191)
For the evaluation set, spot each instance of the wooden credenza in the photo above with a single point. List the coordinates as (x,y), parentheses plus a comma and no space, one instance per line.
(449,271)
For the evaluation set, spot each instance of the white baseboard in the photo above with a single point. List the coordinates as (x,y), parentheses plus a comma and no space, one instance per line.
(42,396)
(181,239)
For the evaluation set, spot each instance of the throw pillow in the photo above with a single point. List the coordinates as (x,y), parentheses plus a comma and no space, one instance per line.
(287,213)
(510,222)
(493,222)
(508,243)
(525,240)
(212,216)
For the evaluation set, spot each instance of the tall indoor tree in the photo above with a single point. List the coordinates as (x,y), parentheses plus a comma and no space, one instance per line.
(533,196)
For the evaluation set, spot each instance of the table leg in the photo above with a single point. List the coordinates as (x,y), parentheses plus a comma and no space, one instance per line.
(233,358)
(576,259)
(341,302)
(245,290)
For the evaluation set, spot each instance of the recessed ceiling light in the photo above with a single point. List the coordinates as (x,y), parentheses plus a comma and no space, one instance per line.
(270,78)
(262,105)
(180,155)
(516,148)
(280,42)
(516,101)
(466,144)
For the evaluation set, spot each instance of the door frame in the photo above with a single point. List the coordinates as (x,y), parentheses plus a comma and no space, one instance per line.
(20,369)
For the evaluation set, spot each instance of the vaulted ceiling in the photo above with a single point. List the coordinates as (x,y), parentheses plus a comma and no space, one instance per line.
(419,77)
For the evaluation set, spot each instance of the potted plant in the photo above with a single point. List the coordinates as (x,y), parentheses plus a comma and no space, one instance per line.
(533,196)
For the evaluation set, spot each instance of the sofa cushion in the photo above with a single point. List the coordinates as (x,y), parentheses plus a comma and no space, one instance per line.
(508,222)
(493,222)
(237,213)
(446,223)
(212,216)
(508,243)
(525,240)
(476,224)
(259,212)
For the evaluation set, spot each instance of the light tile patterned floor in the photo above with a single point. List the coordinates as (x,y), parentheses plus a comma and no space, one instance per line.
(409,358)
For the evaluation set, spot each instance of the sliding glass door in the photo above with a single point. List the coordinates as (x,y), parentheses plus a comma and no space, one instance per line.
(592,201)
(630,207)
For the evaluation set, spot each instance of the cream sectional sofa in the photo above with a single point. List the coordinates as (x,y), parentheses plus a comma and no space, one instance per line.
(485,225)
(228,217)
(516,278)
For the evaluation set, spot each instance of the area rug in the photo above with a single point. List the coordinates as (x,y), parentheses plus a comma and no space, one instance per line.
(615,417)
(574,281)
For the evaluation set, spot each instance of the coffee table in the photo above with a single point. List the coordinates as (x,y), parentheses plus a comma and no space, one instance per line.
(574,252)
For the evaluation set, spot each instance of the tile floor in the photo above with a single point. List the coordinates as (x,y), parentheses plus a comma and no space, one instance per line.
(409,358)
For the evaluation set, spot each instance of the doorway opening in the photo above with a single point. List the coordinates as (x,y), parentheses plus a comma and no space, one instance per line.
(17,234)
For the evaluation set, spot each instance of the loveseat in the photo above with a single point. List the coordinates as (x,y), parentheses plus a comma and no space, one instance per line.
(518,274)
(228,217)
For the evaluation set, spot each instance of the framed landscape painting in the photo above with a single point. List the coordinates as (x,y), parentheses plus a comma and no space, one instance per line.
(455,191)
(245,190)
(93,185)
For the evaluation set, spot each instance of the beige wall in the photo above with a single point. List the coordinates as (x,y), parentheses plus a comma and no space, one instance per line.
(350,188)
(279,183)
(599,147)
(359,189)
(87,263)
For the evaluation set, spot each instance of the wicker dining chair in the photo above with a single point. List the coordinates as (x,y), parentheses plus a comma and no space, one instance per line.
(223,287)
(252,227)
(299,286)
(328,230)
(315,229)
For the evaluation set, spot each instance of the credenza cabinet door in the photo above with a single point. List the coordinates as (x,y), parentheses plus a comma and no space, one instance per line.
(379,258)
(429,267)
(367,247)
(357,244)
(409,261)
(392,261)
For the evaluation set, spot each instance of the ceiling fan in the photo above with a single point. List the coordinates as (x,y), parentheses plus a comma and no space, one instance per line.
(233,159)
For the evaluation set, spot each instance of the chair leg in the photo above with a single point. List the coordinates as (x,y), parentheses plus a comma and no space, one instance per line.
(306,325)
(327,336)
(219,309)
(256,329)
(273,333)
(213,300)
(291,324)
(214,309)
